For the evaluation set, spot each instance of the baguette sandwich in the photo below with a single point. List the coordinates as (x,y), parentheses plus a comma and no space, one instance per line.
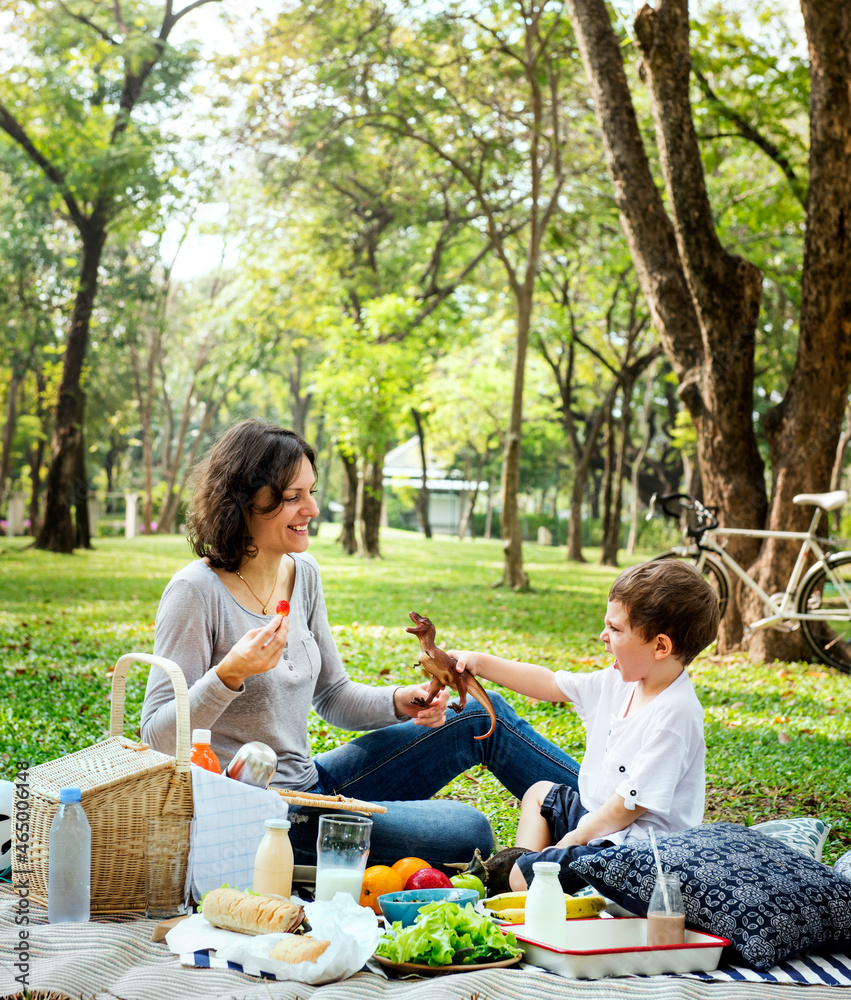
(249,913)
(297,948)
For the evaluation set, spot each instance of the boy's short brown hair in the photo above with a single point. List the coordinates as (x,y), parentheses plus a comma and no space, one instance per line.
(669,596)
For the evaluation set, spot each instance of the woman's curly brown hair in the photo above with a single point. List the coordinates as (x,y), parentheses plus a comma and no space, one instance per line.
(249,456)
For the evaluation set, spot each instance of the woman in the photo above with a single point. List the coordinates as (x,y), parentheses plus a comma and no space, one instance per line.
(254,675)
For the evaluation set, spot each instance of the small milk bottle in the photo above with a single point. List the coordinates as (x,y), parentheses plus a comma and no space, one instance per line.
(546,915)
(273,863)
(202,753)
(69,866)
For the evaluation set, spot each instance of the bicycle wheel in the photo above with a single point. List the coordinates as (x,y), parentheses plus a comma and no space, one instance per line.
(714,573)
(829,640)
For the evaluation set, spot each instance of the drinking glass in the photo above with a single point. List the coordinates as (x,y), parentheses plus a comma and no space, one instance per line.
(342,848)
(168,875)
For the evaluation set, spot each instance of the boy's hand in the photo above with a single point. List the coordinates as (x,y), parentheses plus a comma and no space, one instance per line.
(467,660)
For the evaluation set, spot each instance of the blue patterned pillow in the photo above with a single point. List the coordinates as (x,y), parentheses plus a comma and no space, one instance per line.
(771,901)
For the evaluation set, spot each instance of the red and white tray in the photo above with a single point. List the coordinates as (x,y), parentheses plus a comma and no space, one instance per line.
(615,946)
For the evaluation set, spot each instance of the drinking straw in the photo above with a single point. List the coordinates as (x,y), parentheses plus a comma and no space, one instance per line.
(660,873)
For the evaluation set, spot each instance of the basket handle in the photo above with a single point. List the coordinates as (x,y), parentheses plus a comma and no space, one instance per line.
(181,698)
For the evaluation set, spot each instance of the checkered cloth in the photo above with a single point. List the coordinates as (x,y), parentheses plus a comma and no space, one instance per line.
(230,820)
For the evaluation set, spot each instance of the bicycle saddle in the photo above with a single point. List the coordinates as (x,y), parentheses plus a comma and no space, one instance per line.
(827,501)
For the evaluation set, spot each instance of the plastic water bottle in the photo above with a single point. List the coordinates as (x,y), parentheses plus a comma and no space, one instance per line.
(69,870)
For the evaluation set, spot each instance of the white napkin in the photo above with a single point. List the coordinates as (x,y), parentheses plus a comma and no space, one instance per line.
(352,930)
(230,820)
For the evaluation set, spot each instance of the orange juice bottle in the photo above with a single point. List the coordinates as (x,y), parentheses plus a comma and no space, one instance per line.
(202,753)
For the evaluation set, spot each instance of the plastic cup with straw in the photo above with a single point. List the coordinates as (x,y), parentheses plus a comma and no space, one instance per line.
(660,874)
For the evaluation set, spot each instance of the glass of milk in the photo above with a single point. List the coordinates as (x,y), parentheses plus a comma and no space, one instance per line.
(342,848)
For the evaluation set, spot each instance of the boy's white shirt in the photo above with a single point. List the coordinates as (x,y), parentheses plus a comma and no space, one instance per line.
(655,757)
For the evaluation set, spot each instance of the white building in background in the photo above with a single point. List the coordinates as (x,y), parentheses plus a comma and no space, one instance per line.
(448,493)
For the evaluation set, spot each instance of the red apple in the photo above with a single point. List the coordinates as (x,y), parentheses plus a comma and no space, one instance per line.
(428,878)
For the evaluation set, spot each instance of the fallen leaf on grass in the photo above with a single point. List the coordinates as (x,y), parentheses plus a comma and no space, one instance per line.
(784,738)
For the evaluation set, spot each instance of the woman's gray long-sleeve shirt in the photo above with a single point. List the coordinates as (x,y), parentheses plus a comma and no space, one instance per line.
(199,620)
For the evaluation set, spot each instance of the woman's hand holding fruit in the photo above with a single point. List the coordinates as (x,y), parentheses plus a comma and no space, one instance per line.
(256,652)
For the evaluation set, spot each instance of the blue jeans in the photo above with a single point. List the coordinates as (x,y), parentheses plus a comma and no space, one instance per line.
(402,766)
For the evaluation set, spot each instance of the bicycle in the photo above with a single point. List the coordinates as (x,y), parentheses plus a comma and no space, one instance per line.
(817,600)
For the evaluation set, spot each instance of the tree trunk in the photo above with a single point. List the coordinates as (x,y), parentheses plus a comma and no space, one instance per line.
(703,301)
(36,458)
(82,528)
(57,533)
(470,505)
(646,434)
(422,495)
(348,538)
(514,575)
(612,539)
(582,465)
(9,430)
(804,429)
(608,490)
(489,515)
(172,470)
(300,401)
(322,475)
(145,396)
(373,497)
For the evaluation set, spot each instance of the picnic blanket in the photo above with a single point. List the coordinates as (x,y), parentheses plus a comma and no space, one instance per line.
(113,958)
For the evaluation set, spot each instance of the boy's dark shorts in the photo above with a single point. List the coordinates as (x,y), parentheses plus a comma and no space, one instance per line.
(562,809)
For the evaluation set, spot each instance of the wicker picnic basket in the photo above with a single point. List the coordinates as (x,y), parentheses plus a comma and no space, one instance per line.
(123,784)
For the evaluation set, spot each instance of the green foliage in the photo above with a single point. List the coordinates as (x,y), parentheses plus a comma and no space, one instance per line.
(776,735)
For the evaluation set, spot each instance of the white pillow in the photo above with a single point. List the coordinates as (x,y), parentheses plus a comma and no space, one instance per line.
(842,866)
(802,834)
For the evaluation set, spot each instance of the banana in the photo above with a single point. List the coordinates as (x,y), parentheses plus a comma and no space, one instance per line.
(506,901)
(584,906)
(510,906)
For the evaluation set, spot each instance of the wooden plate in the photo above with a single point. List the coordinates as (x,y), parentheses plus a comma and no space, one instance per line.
(438,970)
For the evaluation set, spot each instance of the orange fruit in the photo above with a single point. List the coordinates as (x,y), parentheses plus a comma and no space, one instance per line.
(407,866)
(376,881)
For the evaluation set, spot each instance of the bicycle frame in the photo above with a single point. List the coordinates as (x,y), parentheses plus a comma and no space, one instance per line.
(784,609)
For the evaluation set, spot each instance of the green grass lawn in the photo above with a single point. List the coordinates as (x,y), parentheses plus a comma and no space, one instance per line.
(777,734)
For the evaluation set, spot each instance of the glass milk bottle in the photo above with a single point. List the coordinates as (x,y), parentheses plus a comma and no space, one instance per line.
(666,921)
(546,914)
(273,863)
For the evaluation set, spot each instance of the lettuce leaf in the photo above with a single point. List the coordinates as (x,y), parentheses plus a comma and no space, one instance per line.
(447,934)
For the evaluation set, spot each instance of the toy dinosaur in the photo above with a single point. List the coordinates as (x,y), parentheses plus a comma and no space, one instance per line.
(440,666)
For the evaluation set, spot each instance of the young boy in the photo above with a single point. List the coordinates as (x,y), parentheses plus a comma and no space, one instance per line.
(644,750)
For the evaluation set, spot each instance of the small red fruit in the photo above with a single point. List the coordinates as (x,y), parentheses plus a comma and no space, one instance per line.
(428,878)
(283,608)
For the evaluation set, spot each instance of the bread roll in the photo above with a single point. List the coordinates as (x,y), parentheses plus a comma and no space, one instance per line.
(297,948)
(249,914)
